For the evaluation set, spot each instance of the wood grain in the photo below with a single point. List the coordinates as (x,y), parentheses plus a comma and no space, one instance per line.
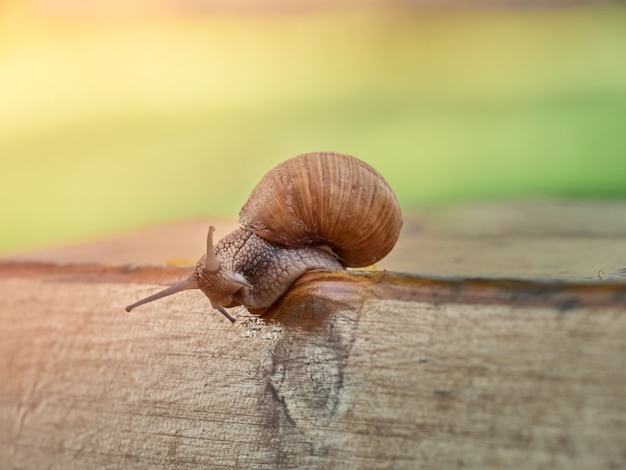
(350,371)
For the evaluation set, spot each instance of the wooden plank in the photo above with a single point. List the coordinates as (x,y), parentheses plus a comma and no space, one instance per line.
(507,351)
(351,371)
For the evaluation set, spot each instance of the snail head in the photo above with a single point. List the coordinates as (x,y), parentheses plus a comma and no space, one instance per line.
(216,283)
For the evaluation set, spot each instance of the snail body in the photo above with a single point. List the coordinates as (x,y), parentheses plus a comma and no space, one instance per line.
(318,210)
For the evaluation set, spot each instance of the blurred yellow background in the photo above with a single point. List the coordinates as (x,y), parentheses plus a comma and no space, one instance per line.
(114,117)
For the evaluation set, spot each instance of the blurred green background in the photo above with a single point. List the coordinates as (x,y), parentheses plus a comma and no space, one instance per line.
(113,119)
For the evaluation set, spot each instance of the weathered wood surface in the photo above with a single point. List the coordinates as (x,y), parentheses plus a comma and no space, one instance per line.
(351,371)
(583,240)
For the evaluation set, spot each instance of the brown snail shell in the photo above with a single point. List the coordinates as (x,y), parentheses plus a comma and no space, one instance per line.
(326,198)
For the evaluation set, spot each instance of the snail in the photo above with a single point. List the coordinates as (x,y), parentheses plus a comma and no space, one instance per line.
(315,211)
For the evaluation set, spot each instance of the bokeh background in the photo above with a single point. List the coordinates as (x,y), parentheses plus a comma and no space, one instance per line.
(116,115)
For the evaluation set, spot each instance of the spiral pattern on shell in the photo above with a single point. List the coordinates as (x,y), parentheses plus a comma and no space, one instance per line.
(326,198)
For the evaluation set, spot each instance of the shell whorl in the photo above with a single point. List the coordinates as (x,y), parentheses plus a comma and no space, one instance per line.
(329,199)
